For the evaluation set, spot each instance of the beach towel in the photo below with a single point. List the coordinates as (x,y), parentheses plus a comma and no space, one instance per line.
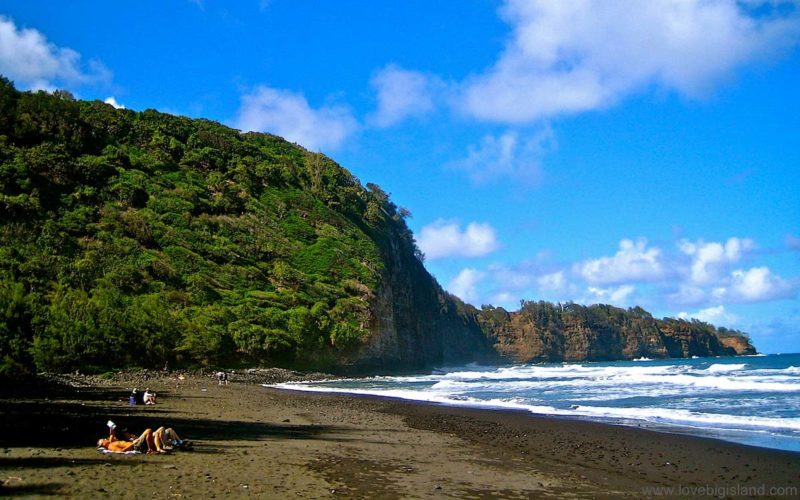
(130,452)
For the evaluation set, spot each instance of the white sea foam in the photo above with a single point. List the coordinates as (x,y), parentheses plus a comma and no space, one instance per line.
(685,417)
(654,415)
(724,368)
(407,394)
(760,396)
(649,380)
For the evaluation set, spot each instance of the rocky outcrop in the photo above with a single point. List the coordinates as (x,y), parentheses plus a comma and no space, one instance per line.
(740,345)
(545,332)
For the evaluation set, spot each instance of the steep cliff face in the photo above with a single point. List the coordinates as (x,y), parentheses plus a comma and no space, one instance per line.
(414,323)
(544,332)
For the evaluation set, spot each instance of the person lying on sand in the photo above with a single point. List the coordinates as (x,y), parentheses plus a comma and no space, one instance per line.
(172,440)
(159,441)
(146,442)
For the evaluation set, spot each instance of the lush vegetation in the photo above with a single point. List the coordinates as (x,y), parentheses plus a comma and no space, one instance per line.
(142,239)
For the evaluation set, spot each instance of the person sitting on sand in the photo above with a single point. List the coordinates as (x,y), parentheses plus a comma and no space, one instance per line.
(149,398)
(119,433)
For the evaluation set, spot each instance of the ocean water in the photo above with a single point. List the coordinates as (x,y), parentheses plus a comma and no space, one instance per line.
(752,400)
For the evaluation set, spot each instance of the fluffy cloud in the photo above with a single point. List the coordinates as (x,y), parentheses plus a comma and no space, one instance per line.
(465,285)
(553,282)
(709,259)
(755,285)
(716,315)
(570,57)
(27,58)
(113,101)
(632,262)
(289,115)
(446,239)
(688,275)
(618,296)
(507,155)
(401,94)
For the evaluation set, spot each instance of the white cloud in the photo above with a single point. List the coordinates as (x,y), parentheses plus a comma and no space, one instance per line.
(289,115)
(507,155)
(710,259)
(576,56)
(504,299)
(446,239)
(401,94)
(632,262)
(636,274)
(112,101)
(715,315)
(32,62)
(553,282)
(758,284)
(465,285)
(618,296)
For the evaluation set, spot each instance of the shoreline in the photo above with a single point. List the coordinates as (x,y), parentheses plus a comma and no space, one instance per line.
(752,437)
(642,425)
(257,441)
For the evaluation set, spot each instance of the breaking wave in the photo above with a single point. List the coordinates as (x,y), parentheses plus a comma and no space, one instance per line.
(756,402)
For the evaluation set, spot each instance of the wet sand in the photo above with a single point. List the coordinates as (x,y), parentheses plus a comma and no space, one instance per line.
(251,441)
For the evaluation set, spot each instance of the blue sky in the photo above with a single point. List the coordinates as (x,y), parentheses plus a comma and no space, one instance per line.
(624,152)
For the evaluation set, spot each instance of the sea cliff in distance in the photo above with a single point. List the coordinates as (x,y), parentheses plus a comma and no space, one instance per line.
(144,239)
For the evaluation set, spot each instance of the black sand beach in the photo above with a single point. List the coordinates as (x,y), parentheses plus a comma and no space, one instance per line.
(259,442)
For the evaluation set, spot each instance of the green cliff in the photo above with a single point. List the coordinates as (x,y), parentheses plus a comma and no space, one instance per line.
(141,238)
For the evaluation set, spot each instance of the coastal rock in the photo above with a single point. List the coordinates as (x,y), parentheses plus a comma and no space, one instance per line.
(546,332)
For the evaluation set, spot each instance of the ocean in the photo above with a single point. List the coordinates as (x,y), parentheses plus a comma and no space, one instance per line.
(753,400)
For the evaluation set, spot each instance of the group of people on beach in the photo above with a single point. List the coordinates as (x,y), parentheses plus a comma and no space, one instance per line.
(162,440)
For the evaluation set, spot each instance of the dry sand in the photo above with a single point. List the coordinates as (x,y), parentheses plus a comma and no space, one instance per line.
(251,441)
